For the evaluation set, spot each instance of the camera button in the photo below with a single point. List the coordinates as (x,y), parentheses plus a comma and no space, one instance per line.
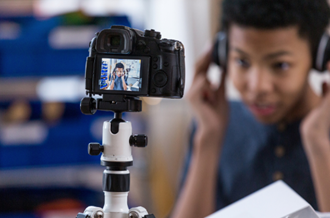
(160,78)
(155,66)
(166,64)
(146,50)
(155,59)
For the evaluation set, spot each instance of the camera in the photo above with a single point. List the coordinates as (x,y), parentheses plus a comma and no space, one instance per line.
(131,63)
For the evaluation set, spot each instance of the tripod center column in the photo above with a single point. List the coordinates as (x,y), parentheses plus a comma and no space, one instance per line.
(116,187)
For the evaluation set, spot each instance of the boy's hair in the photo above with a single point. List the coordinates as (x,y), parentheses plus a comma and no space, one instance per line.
(120,65)
(310,16)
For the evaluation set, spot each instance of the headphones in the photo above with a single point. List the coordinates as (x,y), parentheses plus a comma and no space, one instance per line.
(220,52)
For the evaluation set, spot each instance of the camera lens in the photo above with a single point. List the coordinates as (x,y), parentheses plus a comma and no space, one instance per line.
(114,40)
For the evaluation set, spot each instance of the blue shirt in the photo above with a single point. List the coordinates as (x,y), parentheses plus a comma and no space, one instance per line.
(118,83)
(254,155)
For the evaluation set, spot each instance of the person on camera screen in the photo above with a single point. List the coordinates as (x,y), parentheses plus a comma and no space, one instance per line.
(280,129)
(118,79)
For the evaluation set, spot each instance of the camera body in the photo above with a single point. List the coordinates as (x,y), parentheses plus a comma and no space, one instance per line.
(128,62)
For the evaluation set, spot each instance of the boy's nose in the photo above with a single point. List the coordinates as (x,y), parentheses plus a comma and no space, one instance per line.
(260,81)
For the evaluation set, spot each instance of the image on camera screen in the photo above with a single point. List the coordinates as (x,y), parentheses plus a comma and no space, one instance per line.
(120,74)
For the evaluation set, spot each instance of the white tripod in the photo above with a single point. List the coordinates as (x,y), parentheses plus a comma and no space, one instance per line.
(117,140)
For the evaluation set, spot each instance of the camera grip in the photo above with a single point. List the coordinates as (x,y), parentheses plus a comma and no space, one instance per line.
(89,73)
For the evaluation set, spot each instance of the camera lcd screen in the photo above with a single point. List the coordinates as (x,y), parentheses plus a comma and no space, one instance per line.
(120,74)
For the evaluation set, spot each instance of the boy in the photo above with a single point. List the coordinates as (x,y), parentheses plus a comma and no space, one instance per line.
(281,128)
(118,80)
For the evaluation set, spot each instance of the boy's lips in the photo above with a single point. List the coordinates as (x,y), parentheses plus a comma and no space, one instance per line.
(262,109)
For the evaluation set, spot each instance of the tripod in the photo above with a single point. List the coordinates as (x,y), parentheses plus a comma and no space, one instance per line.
(117,140)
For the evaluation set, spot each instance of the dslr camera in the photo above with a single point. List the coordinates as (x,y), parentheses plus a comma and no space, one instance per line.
(125,64)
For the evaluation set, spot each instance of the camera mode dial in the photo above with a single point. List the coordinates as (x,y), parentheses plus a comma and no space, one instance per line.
(152,33)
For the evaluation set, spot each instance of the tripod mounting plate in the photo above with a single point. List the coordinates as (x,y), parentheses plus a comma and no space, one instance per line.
(115,103)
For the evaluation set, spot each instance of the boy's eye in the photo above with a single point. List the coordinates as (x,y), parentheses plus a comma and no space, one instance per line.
(242,62)
(282,66)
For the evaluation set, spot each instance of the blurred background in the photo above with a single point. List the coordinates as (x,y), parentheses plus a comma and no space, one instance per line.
(45,170)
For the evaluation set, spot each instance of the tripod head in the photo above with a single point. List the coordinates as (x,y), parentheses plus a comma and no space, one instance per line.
(118,104)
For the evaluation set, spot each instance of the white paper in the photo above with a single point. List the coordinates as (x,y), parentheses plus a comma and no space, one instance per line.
(323,215)
(277,200)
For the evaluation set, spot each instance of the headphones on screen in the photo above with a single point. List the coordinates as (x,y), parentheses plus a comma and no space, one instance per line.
(220,52)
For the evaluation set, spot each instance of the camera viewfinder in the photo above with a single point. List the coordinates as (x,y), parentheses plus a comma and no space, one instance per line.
(114,40)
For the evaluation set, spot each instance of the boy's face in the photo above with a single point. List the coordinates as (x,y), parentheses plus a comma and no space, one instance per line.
(270,70)
(119,72)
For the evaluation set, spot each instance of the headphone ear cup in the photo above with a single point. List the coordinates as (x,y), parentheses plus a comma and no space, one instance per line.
(223,49)
(220,50)
(322,55)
